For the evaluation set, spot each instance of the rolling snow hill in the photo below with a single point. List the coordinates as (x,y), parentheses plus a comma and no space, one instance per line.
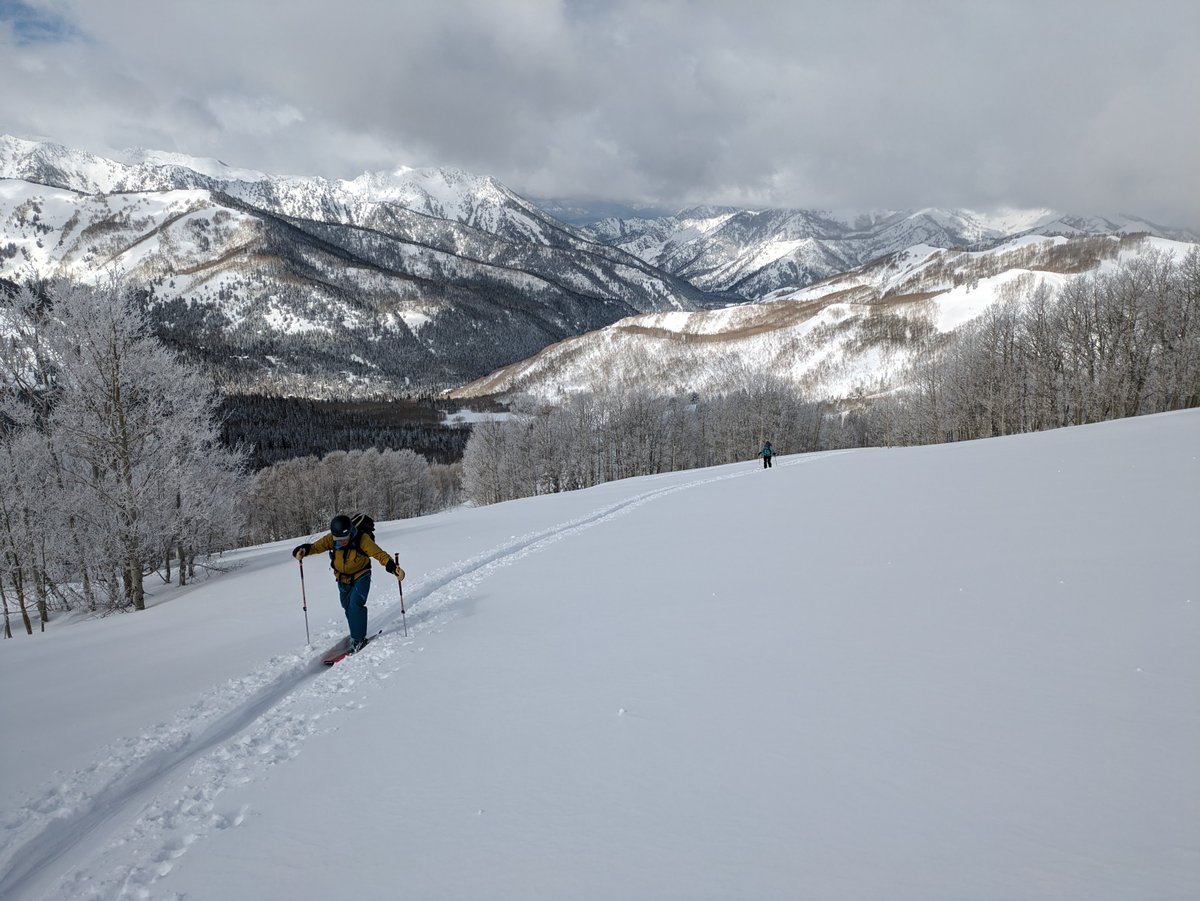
(851,335)
(403,280)
(707,685)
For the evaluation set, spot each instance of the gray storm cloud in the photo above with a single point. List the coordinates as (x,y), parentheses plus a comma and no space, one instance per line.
(1085,107)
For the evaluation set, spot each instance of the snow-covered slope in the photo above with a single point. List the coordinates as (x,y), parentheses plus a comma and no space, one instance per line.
(992,696)
(853,334)
(750,253)
(411,278)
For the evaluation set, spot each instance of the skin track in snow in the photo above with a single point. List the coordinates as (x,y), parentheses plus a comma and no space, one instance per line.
(342,650)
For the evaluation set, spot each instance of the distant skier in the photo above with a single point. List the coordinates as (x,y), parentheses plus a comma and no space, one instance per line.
(350,553)
(767,453)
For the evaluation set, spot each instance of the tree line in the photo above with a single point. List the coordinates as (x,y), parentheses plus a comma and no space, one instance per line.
(110,460)
(299,496)
(275,428)
(593,438)
(113,468)
(1124,341)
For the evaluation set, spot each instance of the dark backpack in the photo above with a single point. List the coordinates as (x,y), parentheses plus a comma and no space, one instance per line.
(363,525)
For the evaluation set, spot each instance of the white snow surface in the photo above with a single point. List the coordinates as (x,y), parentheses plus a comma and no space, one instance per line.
(955,672)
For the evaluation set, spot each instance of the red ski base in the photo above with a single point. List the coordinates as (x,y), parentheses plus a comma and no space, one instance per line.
(342,650)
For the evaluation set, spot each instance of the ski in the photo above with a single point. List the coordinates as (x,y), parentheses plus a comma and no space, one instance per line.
(342,650)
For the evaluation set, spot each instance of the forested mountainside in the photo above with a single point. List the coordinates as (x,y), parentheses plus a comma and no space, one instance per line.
(394,282)
(853,336)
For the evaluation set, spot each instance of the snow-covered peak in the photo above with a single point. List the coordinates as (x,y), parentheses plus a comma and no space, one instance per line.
(1012,221)
(752,254)
(446,193)
(137,169)
(369,184)
(45,162)
(1119,224)
(214,169)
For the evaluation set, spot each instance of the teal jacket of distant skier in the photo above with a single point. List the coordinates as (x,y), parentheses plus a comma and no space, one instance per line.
(767,450)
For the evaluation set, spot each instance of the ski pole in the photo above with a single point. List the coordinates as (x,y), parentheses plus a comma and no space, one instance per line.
(304,602)
(400,585)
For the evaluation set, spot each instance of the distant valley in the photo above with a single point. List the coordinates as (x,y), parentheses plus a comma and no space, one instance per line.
(416,282)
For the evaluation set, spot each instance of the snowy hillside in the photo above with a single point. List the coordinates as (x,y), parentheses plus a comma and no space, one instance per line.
(854,333)
(750,253)
(398,280)
(953,672)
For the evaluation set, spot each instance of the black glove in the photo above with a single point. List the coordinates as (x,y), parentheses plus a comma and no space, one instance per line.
(391,567)
(301,551)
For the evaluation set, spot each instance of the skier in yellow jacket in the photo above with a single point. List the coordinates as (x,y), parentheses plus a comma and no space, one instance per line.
(350,553)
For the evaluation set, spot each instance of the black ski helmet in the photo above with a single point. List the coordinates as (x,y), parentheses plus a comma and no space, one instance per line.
(341,526)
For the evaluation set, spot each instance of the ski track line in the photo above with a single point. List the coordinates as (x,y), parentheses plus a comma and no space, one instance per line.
(227,738)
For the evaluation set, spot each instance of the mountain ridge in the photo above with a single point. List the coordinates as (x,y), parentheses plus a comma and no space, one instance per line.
(422,280)
(747,254)
(414,279)
(850,336)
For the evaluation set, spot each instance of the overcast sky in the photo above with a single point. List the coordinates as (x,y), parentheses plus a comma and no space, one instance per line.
(1088,106)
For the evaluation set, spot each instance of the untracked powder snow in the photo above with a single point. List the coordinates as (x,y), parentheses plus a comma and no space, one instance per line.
(955,672)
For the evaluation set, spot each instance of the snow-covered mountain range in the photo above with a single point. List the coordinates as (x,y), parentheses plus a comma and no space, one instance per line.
(421,279)
(749,253)
(852,335)
(405,279)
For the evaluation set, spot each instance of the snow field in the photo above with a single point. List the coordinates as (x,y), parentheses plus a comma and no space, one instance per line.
(951,672)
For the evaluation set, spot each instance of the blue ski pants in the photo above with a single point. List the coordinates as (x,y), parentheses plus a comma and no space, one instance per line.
(354,602)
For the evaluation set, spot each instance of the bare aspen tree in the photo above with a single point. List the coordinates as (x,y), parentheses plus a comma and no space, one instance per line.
(125,456)
(1115,343)
(300,496)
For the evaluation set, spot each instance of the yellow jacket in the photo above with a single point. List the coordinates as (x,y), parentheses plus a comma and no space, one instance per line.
(352,562)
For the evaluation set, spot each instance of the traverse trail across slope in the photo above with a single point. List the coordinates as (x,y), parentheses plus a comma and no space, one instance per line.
(158,792)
